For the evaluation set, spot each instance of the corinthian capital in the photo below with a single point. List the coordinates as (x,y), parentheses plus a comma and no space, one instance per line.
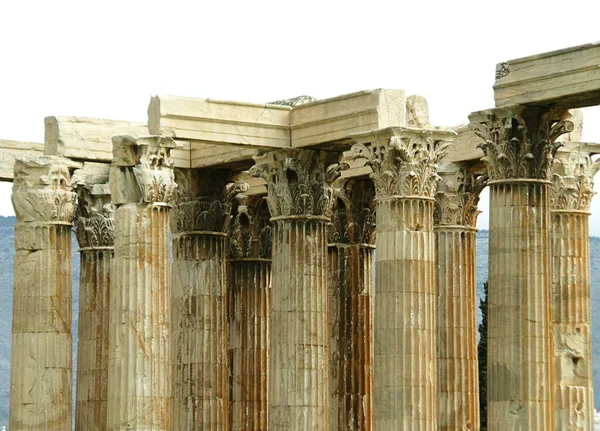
(518,143)
(204,200)
(573,181)
(95,212)
(404,161)
(457,197)
(250,232)
(42,189)
(142,170)
(353,215)
(299,182)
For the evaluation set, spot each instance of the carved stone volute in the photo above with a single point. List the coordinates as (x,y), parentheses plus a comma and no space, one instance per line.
(573,181)
(353,215)
(457,198)
(404,164)
(299,182)
(204,200)
(42,190)
(250,233)
(142,170)
(517,144)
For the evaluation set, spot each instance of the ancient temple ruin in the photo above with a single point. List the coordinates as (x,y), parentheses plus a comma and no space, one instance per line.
(323,262)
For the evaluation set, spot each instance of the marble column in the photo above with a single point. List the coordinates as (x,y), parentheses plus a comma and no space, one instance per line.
(405,177)
(95,233)
(41,362)
(250,245)
(199,315)
(350,301)
(139,351)
(299,198)
(455,217)
(571,194)
(519,144)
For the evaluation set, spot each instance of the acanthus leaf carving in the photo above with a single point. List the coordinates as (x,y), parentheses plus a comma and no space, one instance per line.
(520,147)
(250,234)
(403,165)
(573,181)
(299,182)
(142,170)
(204,201)
(353,214)
(94,225)
(457,199)
(42,190)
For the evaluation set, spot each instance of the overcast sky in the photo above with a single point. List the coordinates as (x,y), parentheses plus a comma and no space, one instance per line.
(73,58)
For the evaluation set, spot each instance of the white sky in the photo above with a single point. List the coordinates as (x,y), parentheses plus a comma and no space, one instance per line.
(105,59)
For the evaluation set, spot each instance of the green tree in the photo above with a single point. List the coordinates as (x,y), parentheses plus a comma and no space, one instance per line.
(482,357)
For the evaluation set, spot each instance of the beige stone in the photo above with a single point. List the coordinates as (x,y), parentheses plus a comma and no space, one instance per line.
(571,194)
(210,121)
(41,362)
(95,234)
(455,218)
(404,163)
(250,243)
(299,198)
(199,300)
(11,150)
(139,368)
(350,305)
(569,78)
(520,354)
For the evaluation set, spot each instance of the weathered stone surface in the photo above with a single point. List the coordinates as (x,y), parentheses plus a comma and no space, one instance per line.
(518,147)
(569,78)
(139,373)
(250,243)
(331,120)
(351,288)
(11,150)
(216,121)
(299,187)
(95,233)
(200,221)
(571,194)
(404,163)
(41,362)
(455,217)
(86,138)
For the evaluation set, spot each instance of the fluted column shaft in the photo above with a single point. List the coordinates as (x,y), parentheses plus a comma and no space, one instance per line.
(299,361)
(574,397)
(519,146)
(350,302)
(250,290)
(299,187)
(457,328)
(140,341)
(94,229)
(519,333)
(92,347)
(200,370)
(41,357)
(405,386)
(139,374)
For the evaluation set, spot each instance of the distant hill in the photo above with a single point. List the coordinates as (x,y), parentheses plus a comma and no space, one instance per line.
(6,284)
